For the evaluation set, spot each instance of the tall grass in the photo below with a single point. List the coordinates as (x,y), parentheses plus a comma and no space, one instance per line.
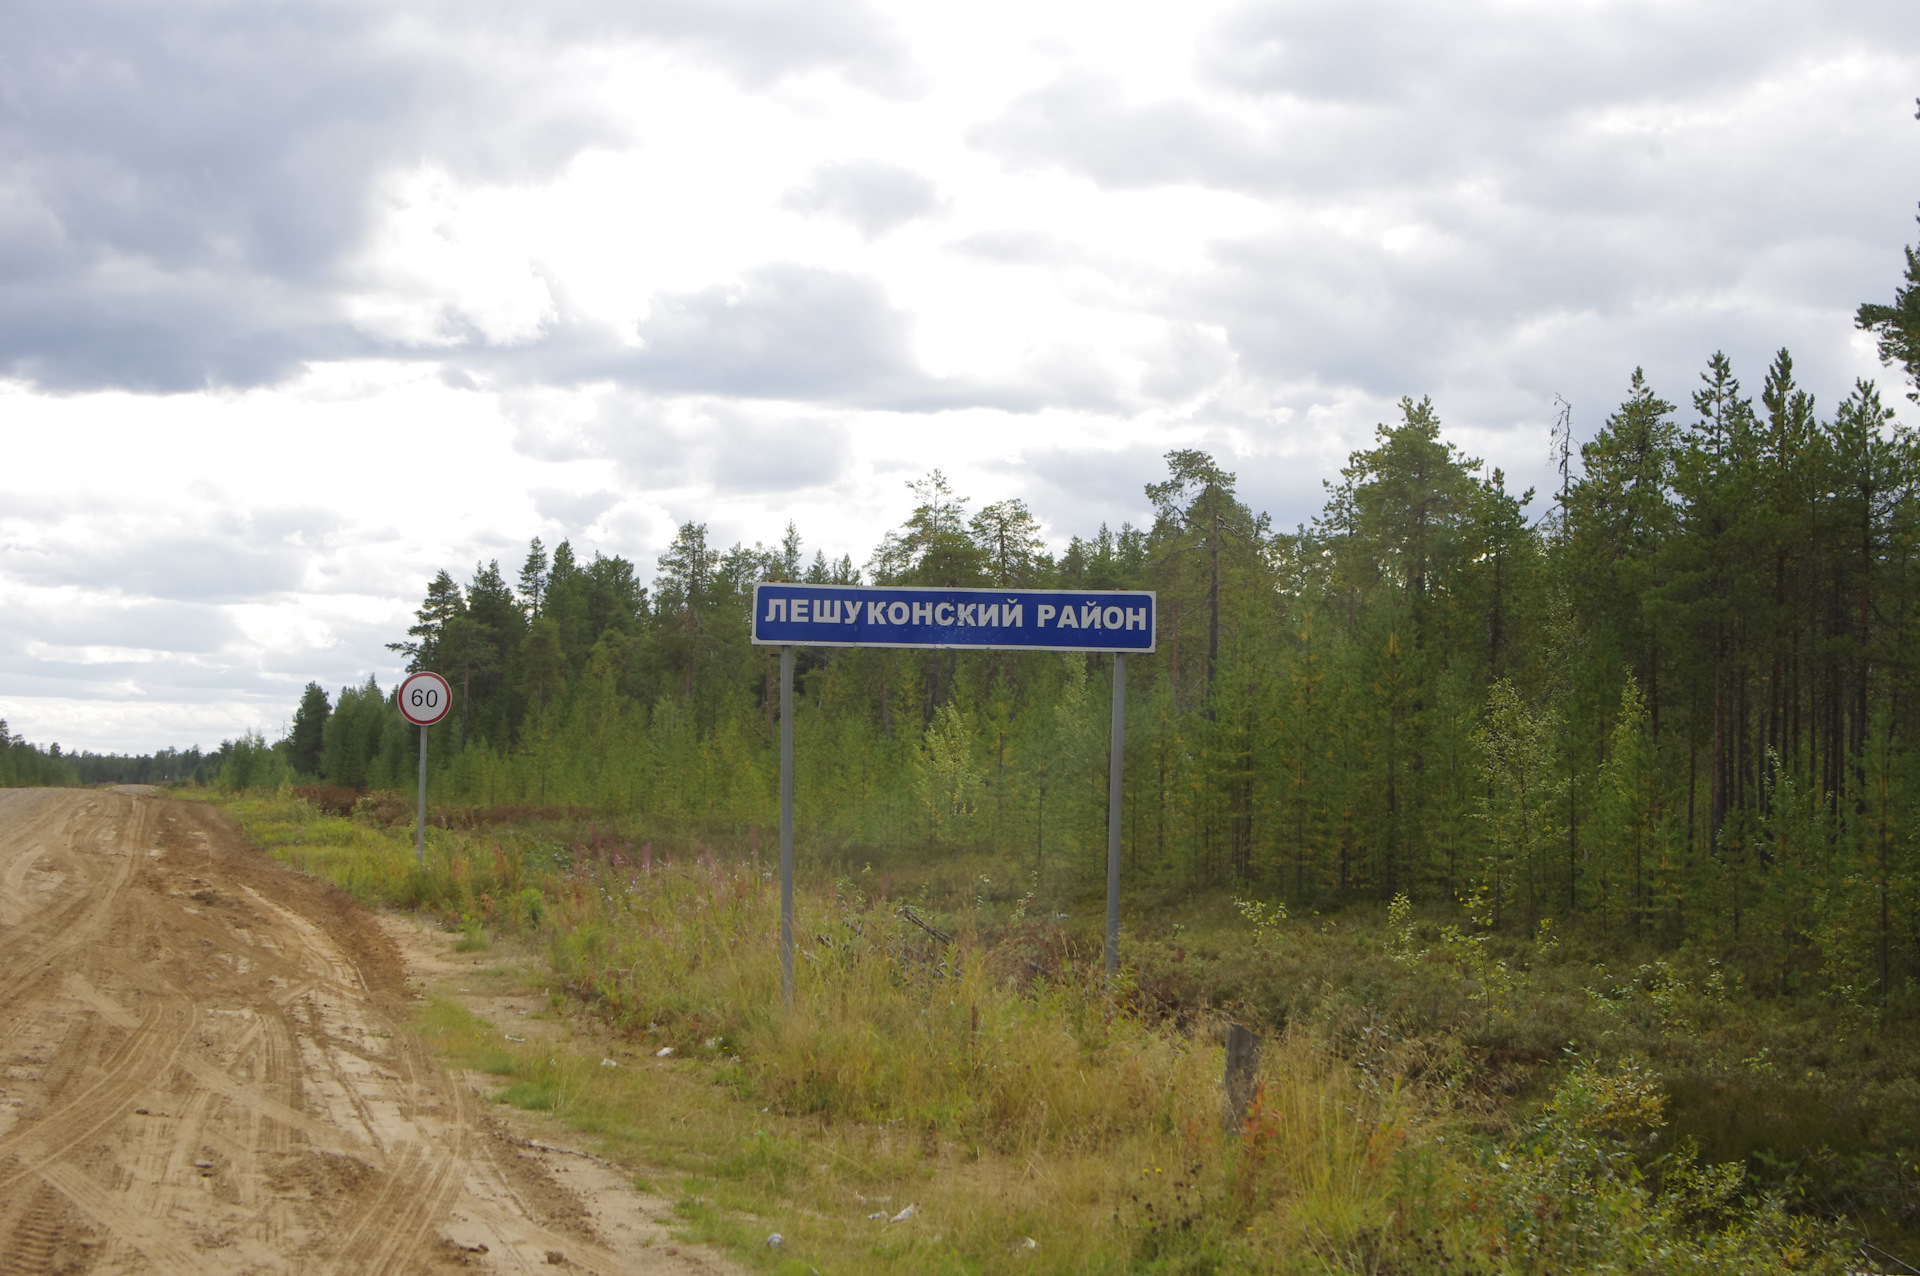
(1004,1088)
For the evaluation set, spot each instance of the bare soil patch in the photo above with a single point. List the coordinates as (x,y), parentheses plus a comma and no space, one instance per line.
(207,1067)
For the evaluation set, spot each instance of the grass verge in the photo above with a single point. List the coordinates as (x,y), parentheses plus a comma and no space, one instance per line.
(1034,1119)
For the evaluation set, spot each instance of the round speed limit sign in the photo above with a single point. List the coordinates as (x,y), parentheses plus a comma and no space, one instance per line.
(424,698)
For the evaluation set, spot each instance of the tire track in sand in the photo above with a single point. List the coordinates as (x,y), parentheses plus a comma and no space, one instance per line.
(207,1068)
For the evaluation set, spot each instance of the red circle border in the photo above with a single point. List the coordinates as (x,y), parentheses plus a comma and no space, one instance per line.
(446,700)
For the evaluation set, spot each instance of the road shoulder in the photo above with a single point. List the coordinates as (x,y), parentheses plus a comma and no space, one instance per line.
(501,988)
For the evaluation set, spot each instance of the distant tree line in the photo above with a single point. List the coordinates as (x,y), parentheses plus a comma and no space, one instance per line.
(247,762)
(167,766)
(24,765)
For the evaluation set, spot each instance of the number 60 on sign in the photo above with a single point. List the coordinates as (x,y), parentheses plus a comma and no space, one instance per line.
(424,698)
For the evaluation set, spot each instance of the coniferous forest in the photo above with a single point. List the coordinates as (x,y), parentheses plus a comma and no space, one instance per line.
(1675,697)
(23,764)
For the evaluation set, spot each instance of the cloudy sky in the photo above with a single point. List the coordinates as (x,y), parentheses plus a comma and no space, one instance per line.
(302,301)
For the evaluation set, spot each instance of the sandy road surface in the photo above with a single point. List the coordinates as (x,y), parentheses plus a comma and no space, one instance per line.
(205,1067)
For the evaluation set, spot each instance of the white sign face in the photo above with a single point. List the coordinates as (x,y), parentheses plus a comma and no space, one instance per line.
(424,698)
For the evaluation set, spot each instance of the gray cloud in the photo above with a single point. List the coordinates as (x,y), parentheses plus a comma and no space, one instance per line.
(1520,60)
(181,185)
(147,625)
(708,443)
(759,455)
(101,718)
(171,679)
(1085,126)
(1075,489)
(1513,310)
(572,510)
(1020,248)
(1389,96)
(633,430)
(784,331)
(233,560)
(189,673)
(353,650)
(1568,193)
(177,179)
(873,196)
(1194,360)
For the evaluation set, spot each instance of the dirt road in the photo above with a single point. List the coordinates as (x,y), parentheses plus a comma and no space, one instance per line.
(205,1067)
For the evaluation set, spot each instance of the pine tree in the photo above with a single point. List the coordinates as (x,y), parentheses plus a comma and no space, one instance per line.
(1199,514)
(466,650)
(933,547)
(1897,327)
(788,560)
(490,708)
(533,578)
(444,603)
(1008,535)
(543,664)
(1628,816)
(686,577)
(1520,809)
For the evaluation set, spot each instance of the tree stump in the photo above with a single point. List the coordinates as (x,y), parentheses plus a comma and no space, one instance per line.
(1243,1063)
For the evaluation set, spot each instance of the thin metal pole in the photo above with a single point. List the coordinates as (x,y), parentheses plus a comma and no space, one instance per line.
(420,821)
(786,825)
(1116,754)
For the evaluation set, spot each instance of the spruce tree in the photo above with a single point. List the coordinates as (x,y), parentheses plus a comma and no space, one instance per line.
(306,743)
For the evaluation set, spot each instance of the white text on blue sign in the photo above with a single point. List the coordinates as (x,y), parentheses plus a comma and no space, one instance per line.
(994,619)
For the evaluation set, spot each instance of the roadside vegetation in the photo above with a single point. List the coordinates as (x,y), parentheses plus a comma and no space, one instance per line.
(953,1048)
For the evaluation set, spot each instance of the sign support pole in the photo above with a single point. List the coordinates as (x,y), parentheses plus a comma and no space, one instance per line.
(786,825)
(1116,754)
(420,820)
(423,698)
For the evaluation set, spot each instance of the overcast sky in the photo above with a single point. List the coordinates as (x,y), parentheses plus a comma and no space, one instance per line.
(301,302)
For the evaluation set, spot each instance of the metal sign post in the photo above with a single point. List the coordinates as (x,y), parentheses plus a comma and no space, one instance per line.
(1116,752)
(424,699)
(786,825)
(420,815)
(1116,621)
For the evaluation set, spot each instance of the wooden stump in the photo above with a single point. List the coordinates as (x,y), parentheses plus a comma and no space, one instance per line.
(1243,1064)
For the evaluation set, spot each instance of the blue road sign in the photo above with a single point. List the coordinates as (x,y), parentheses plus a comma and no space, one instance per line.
(991,619)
